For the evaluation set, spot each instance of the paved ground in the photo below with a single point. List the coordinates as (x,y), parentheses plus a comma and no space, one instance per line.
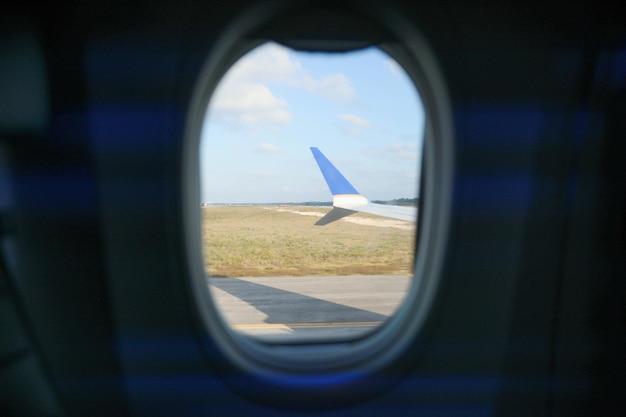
(308,308)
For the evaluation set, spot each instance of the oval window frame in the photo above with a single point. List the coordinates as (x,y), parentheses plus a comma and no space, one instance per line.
(309,375)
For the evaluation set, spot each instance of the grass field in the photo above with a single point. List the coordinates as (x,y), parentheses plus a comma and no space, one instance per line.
(273,241)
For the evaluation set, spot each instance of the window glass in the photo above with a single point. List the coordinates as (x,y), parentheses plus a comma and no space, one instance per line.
(310,166)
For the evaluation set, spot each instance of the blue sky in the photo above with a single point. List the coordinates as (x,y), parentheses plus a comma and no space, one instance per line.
(360,109)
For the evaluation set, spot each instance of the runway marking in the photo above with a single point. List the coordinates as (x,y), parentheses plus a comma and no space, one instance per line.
(304,325)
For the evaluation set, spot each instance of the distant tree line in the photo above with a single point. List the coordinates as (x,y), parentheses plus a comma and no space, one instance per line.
(315,203)
(395,202)
(399,201)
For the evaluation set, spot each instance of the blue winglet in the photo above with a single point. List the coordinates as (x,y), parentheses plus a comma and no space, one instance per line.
(337,183)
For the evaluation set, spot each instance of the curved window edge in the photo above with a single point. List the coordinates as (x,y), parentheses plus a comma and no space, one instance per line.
(318,368)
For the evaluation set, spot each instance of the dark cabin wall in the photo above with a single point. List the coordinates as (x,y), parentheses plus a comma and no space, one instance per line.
(530,318)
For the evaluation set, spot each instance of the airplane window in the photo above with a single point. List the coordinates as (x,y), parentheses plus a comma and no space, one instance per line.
(310,168)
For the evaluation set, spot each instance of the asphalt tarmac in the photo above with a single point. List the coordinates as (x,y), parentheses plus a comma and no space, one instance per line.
(308,308)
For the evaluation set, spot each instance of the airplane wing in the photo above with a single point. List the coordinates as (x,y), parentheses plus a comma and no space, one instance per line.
(347,200)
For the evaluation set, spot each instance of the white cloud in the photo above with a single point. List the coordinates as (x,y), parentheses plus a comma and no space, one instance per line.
(244,97)
(237,104)
(395,68)
(267,63)
(263,174)
(355,120)
(353,125)
(268,148)
(404,151)
(335,87)
(395,151)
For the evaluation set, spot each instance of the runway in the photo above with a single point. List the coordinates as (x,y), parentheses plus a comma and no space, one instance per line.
(308,308)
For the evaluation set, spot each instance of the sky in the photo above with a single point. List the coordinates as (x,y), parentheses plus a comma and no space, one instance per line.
(359,108)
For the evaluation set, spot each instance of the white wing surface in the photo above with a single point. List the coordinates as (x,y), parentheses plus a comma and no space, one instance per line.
(347,200)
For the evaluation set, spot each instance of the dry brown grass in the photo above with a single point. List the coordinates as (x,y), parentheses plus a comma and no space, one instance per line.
(264,241)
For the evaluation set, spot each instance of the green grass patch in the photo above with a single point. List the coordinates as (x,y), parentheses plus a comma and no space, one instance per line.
(263,241)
